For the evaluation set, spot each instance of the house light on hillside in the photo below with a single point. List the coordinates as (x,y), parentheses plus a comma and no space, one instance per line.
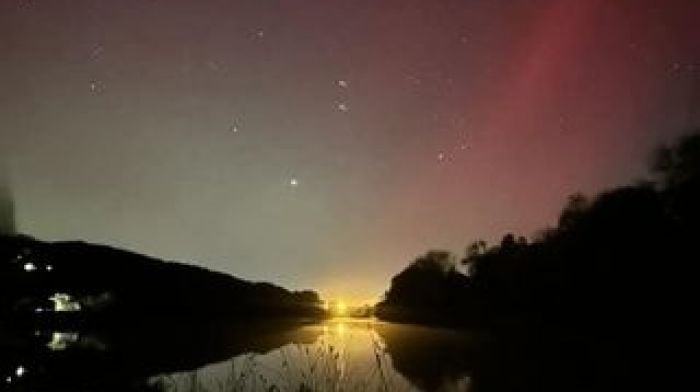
(64,303)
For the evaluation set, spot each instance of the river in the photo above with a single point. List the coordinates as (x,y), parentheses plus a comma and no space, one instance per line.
(340,354)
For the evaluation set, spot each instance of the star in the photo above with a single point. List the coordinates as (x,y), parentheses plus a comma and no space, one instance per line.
(95,86)
(234,125)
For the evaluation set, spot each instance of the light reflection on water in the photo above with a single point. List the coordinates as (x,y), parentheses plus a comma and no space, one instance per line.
(62,340)
(349,354)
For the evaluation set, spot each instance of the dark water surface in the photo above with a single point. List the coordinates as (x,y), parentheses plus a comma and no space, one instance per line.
(338,354)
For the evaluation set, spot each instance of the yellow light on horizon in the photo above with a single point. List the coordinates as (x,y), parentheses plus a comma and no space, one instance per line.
(340,308)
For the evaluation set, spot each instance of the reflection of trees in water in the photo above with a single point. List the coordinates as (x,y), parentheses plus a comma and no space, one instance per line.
(433,359)
(444,360)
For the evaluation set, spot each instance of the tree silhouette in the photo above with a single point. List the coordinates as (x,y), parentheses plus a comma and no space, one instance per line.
(573,210)
(614,262)
(428,289)
(680,163)
(678,173)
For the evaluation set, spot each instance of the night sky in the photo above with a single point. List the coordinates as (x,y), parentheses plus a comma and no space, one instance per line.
(324,144)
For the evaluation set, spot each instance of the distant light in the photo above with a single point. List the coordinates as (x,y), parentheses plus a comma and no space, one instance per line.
(49,267)
(338,308)
(441,157)
(343,83)
(293,182)
(343,107)
(29,267)
(20,371)
(341,308)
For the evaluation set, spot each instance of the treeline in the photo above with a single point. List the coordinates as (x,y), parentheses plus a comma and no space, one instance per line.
(620,261)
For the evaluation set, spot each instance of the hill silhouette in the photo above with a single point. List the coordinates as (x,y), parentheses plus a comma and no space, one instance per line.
(102,282)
